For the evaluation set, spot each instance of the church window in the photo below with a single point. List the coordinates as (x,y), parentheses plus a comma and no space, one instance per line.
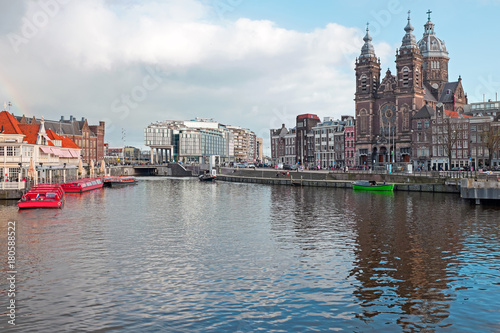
(405,76)
(363,83)
(363,121)
(417,77)
(406,120)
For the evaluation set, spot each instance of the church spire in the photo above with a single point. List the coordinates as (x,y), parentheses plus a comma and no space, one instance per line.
(409,40)
(367,50)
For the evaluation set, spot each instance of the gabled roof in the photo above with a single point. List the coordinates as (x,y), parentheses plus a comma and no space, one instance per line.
(448,92)
(30,132)
(428,95)
(9,124)
(68,143)
(426,112)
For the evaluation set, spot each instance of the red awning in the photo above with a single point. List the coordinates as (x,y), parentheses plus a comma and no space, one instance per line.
(56,151)
(46,150)
(66,153)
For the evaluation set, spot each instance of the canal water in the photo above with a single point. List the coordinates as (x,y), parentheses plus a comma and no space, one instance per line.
(178,255)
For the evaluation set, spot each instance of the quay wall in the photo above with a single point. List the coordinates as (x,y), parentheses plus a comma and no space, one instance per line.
(316,181)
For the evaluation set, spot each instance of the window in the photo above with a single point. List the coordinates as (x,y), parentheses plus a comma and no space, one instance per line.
(406,76)
(363,83)
(426,124)
(419,125)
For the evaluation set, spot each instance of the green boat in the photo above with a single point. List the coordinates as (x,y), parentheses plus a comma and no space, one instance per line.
(371,185)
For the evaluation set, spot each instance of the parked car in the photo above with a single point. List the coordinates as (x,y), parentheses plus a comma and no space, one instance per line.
(289,167)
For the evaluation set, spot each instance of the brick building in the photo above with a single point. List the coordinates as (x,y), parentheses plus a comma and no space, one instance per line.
(385,107)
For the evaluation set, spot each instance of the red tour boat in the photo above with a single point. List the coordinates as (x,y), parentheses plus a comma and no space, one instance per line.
(82,185)
(42,196)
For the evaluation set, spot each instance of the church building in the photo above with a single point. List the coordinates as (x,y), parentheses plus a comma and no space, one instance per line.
(385,106)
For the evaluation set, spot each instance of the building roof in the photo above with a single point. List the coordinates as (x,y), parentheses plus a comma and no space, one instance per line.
(454,114)
(30,132)
(428,95)
(308,116)
(9,124)
(448,93)
(426,112)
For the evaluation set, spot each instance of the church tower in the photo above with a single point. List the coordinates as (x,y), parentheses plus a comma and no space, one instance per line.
(367,70)
(435,55)
(367,83)
(409,65)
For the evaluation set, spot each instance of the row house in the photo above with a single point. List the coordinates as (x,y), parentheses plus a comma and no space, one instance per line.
(326,144)
(24,146)
(305,138)
(444,139)
(349,141)
(290,147)
(278,144)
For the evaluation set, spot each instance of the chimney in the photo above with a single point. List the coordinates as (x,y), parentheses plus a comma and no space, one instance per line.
(71,118)
(83,118)
(62,118)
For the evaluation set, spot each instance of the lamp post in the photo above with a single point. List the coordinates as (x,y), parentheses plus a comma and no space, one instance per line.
(41,166)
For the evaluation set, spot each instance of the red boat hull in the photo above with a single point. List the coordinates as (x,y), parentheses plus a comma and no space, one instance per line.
(42,196)
(82,185)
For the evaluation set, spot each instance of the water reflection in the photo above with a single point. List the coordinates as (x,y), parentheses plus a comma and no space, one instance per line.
(180,255)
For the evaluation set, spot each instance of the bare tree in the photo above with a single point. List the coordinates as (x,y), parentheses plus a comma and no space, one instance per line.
(491,140)
(449,138)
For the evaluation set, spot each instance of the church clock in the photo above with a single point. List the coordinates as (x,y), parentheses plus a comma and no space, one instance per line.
(388,113)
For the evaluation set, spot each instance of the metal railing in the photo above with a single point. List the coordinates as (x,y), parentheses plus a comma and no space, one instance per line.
(12,185)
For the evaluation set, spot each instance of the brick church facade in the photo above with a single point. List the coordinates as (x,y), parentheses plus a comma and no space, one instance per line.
(385,106)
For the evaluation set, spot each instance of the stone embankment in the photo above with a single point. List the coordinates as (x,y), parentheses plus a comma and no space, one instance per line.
(404,182)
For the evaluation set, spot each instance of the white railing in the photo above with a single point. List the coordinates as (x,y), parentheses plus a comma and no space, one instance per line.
(12,185)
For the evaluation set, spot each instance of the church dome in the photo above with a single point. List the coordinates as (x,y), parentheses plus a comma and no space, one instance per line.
(367,50)
(430,45)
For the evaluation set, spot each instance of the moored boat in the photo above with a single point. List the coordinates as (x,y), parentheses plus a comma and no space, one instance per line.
(371,185)
(42,196)
(82,185)
(206,178)
(119,181)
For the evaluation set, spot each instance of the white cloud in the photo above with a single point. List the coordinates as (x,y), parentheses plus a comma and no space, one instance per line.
(90,55)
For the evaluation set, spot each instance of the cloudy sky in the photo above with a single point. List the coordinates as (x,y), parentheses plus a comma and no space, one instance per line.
(250,63)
